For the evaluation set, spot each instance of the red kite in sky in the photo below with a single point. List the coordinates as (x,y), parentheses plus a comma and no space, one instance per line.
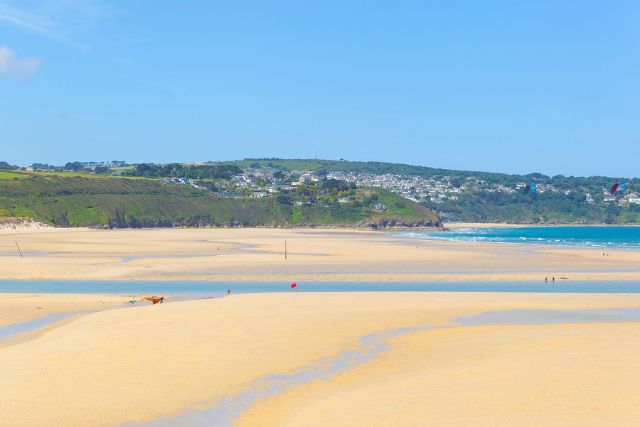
(614,188)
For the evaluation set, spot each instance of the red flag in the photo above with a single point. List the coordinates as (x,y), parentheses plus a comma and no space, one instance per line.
(294,285)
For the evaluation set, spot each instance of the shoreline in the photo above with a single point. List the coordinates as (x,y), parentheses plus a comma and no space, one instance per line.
(26,226)
(453,225)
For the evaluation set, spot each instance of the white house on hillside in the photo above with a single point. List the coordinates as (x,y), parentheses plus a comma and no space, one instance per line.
(633,198)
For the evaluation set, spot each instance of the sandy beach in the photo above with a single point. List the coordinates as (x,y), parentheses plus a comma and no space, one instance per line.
(306,359)
(323,255)
(132,365)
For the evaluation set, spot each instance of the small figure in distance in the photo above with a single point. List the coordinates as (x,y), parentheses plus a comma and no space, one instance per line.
(546,280)
(553,279)
(229,291)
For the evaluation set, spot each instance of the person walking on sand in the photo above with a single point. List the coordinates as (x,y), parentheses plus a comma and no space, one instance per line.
(553,279)
(229,291)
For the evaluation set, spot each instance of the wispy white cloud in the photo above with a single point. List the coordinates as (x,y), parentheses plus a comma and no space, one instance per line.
(13,66)
(29,21)
(61,20)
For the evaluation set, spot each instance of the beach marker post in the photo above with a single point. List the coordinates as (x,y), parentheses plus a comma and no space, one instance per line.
(19,251)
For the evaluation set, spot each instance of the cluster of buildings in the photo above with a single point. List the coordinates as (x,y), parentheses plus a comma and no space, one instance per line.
(258,183)
(109,164)
(627,199)
(182,181)
(262,182)
(632,198)
(416,188)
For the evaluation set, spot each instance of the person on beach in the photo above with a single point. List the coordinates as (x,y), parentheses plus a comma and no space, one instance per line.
(546,280)
(553,279)
(229,291)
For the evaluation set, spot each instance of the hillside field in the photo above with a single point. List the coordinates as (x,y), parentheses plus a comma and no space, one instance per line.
(77,199)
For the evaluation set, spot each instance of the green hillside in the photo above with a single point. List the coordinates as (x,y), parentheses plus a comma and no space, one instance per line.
(473,196)
(76,199)
(305,192)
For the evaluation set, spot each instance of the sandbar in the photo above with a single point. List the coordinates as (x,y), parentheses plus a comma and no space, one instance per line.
(258,254)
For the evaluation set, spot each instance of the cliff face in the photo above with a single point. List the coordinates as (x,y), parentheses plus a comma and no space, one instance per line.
(433,221)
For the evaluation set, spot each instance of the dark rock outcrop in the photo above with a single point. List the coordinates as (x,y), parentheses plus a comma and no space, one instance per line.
(400,222)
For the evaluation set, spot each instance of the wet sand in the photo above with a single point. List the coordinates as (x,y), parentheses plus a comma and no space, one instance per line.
(321,255)
(24,317)
(157,362)
(553,375)
(16,308)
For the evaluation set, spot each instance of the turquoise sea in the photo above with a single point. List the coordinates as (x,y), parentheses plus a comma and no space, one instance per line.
(614,237)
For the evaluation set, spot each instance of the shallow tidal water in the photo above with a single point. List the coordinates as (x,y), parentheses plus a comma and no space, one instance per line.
(545,317)
(9,331)
(213,289)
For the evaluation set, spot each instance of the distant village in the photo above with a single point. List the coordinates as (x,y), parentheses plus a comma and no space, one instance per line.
(264,181)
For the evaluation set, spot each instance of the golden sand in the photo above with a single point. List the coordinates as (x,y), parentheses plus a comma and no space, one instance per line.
(127,365)
(16,308)
(258,254)
(134,364)
(553,375)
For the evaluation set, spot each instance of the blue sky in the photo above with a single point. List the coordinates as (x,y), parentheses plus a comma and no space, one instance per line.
(546,86)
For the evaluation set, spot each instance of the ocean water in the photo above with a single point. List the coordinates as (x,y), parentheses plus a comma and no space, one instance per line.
(613,237)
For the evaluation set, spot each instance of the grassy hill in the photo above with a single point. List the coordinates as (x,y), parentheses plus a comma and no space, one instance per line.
(77,199)
(92,196)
